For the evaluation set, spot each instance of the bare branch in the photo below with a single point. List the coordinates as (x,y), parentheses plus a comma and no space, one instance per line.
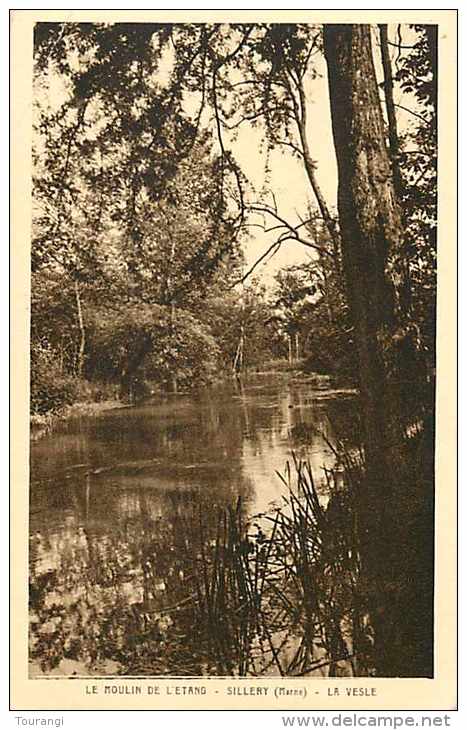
(273,249)
(411,111)
(291,232)
(400,45)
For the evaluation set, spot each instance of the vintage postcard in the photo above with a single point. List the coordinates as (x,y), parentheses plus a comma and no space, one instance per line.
(234,299)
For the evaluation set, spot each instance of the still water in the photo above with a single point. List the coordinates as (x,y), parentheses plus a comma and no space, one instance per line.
(109,498)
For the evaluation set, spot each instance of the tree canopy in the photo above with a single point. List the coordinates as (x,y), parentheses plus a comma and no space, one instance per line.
(140,201)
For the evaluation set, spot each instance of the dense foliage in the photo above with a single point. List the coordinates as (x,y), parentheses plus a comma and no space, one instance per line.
(138,274)
(140,207)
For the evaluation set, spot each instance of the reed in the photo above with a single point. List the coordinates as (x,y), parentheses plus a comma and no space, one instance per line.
(279,593)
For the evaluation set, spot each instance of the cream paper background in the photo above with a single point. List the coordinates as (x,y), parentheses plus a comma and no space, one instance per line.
(399,694)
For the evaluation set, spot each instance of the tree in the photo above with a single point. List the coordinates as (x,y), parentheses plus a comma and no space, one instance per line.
(373,258)
(131,204)
(369,220)
(141,343)
(241,323)
(267,83)
(417,75)
(291,300)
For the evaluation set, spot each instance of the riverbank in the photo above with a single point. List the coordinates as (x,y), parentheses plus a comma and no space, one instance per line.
(181,503)
(41,424)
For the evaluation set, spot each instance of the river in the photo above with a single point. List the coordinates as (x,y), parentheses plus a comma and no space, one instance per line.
(109,496)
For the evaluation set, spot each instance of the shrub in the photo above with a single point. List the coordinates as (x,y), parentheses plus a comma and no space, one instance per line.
(50,388)
(151,343)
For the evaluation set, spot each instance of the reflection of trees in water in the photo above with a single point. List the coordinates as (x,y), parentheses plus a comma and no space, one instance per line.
(294,420)
(131,512)
(185,585)
(128,595)
(344,414)
(187,430)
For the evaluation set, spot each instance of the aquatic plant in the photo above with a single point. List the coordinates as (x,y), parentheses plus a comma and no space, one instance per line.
(279,593)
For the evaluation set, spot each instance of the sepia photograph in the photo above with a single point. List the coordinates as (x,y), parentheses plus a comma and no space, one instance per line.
(232,350)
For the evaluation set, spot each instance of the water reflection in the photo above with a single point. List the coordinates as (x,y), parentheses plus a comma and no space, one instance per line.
(115,519)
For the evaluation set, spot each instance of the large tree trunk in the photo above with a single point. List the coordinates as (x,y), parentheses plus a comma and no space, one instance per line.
(370,239)
(368,213)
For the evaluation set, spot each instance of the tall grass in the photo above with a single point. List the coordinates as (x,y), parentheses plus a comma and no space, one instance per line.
(279,593)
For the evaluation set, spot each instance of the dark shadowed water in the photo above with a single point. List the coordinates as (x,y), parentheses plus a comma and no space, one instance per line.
(109,497)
